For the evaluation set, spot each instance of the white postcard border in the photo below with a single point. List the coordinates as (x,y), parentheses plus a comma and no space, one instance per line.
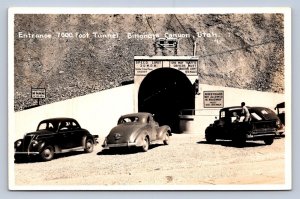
(88,10)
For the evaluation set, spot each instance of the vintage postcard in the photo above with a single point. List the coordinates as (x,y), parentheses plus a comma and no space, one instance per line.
(149,98)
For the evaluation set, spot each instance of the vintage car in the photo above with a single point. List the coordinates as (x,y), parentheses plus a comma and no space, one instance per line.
(263,125)
(56,135)
(280,108)
(137,130)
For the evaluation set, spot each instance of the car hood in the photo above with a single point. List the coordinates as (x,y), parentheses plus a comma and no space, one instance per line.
(40,133)
(124,133)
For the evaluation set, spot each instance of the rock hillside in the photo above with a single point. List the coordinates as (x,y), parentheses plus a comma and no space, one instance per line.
(236,50)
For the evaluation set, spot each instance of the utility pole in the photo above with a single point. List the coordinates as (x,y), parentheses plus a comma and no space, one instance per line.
(194,48)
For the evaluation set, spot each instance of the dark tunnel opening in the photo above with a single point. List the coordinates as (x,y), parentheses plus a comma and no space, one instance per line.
(165,92)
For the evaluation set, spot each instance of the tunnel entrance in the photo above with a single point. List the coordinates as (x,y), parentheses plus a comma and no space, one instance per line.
(164,92)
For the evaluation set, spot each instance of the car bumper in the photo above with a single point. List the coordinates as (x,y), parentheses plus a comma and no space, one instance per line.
(260,136)
(26,153)
(127,144)
(280,132)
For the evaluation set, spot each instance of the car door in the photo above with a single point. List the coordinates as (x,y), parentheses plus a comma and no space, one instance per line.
(77,134)
(66,135)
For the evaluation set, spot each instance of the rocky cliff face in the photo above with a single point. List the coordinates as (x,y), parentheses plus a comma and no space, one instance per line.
(236,50)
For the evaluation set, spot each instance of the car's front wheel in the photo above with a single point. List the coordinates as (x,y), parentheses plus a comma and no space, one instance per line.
(47,153)
(89,146)
(210,139)
(209,136)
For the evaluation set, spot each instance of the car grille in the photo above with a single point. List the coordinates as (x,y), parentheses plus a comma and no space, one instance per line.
(27,140)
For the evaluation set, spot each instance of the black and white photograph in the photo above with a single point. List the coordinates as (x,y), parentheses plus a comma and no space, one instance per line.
(149,99)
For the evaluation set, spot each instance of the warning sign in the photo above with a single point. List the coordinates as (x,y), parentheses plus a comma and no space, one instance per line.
(187,67)
(213,99)
(144,67)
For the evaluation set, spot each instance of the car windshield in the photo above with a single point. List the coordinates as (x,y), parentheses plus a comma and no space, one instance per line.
(128,119)
(50,126)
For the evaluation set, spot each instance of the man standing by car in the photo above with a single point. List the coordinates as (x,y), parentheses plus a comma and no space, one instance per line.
(245,112)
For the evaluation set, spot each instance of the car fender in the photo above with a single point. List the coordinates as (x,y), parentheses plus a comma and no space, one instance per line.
(84,138)
(162,130)
(140,138)
(43,144)
(210,129)
(15,143)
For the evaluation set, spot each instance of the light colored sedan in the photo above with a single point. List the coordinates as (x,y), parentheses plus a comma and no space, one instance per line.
(137,130)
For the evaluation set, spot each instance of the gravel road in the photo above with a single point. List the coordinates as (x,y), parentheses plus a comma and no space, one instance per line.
(188,160)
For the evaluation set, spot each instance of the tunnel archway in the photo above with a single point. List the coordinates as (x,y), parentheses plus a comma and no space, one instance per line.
(164,92)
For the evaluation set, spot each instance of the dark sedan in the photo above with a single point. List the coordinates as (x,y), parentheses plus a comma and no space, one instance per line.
(56,135)
(137,130)
(263,125)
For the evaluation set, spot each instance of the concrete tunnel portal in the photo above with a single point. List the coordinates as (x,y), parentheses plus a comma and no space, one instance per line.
(165,92)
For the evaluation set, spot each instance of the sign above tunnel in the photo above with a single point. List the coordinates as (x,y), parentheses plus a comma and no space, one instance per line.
(145,64)
(187,67)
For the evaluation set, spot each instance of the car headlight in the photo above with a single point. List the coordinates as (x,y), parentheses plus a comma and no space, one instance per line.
(34,143)
(19,142)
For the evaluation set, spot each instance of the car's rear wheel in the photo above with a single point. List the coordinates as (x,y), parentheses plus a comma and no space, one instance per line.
(89,146)
(47,153)
(166,138)
(269,141)
(145,145)
(239,140)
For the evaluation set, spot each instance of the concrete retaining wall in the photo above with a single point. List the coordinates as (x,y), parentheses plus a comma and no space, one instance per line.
(99,112)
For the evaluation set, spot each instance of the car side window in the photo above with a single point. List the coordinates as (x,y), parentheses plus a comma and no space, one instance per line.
(126,120)
(235,117)
(222,115)
(74,125)
(64,126)
(51,127)
(264,112)
(255,116)
(42,126)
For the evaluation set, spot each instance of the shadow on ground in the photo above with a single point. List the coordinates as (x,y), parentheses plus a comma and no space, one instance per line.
(229,143)
(126,150)
(34,159)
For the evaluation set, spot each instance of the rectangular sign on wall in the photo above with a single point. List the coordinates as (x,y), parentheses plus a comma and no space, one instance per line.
(186,64)
(187,67)
(213,99)
(146,66)
(38,93)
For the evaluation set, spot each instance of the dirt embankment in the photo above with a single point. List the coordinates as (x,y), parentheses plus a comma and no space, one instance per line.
(237,50)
